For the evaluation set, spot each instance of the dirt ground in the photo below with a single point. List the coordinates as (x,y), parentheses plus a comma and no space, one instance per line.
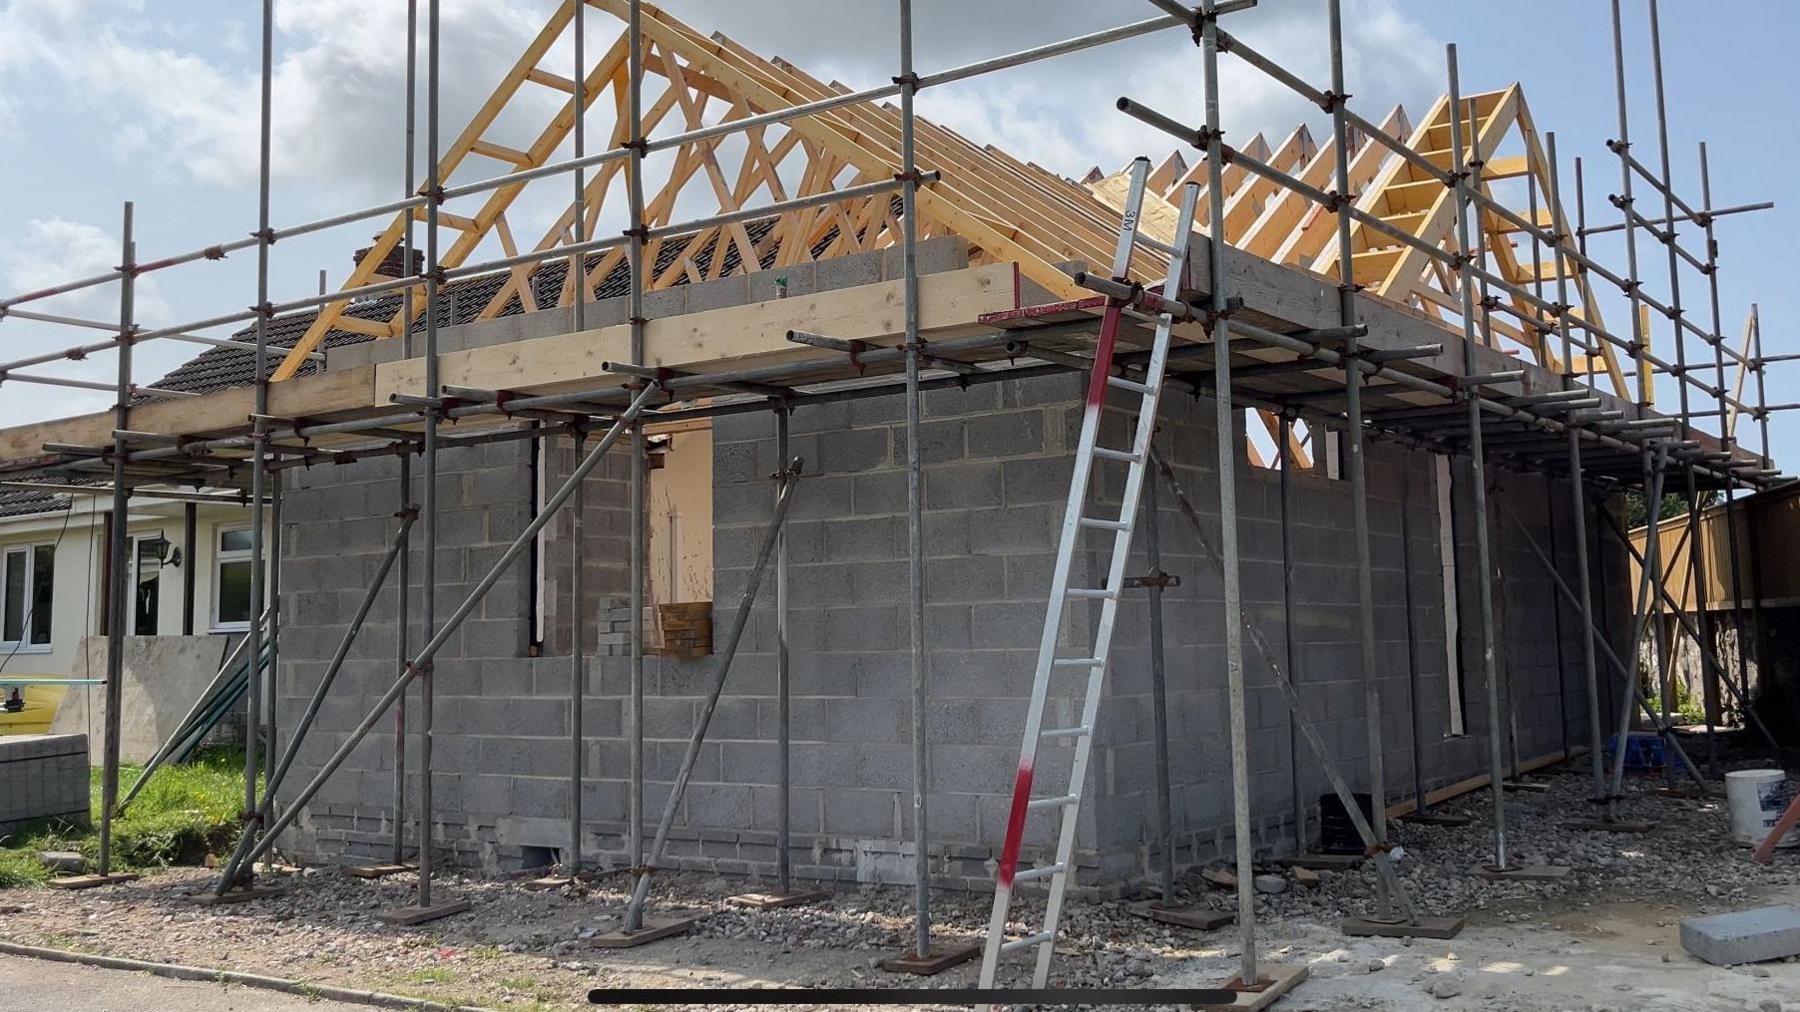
(1604,938)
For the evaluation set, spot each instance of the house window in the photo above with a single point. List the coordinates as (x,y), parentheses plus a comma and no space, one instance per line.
(231,579)
(27,576)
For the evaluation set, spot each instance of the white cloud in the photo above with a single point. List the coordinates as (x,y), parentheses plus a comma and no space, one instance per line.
(53,251)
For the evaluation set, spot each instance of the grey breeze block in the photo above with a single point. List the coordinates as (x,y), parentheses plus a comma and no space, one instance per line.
(1744,936)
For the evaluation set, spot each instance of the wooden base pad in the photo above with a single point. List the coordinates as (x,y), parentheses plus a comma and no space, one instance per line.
(932,963)
(410,915)
(1325,862)
(653,930)
(1428,927)
(1434,819)
(545,884)
(91,881)
(1522,873)
(1523,785)
(240,895)
(1275,981)
(1199,918)
(1613,826)
(379,870)
(775,901)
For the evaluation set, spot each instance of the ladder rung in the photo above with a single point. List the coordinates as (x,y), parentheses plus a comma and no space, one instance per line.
(1091,592)
(1076,662)
(1124,384)
(1038,804)
(1101,523)
(1028,941)
(1066,732)
(1030,874)
(1108,453)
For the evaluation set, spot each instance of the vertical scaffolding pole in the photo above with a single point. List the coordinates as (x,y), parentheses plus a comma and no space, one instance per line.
(1647,572)
(1159,693)
(408,510)
(1296,783)
(1224,421)
(117,543)
(1358,467)
(428,543)
(1577,494)
(638,231)
(1709,668)
(1536,324)
(271,740)
(783,688)
(1478,469)
(577,675)
(1639,340)
(577,543)
(259,455)
(915,519)
(1726,440)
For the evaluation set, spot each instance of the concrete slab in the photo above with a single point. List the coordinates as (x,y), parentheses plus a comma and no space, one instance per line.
(1744,936)
(1427,927)
(1522,872)
(653,930)
(1274,982)
(410,915)
(775,901)
(1194,916)
(164,675)
(935,961)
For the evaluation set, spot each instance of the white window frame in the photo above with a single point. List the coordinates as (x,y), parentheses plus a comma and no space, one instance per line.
(24,645)
(131,598)
(219,558)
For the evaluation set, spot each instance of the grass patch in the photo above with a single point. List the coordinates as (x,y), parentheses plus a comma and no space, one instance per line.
(185,812)
(431,975)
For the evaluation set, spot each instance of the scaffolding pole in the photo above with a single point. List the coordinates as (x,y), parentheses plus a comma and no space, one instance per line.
(637,232)
(1357,452)
(577,544)
(118,542)
(408,507)
(1478,467)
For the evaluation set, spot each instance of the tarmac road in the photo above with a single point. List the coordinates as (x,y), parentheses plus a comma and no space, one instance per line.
(37,985)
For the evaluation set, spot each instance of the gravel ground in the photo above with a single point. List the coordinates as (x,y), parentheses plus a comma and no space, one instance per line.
(1603,938)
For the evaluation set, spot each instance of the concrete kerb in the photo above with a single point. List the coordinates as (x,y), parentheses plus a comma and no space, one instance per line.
(177,971)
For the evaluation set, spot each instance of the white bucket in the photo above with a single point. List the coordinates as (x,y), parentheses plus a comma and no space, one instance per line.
(1757,799)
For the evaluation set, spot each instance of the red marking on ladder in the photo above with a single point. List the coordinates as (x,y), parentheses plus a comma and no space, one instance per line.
(1103,354)
(1015,828)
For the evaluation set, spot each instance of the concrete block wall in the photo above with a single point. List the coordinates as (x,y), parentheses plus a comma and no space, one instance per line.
(43,776)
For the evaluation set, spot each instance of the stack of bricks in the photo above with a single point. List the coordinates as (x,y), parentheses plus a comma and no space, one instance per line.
(43,776)
(684,629)
(614,638)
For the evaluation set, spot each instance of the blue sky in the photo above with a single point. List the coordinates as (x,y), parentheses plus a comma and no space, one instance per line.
(107,100)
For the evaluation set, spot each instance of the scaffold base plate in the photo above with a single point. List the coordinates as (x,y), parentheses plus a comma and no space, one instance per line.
(547,883)
(1322,862)
(1434,819)
(410,915)
(1272,982)
(1610,826)
(91,881)
(378,870)
(1195,916)
(934,962)
(1428,927)
(652,931)
(240,895)
(775,901)
(1524,785)
(1522,872)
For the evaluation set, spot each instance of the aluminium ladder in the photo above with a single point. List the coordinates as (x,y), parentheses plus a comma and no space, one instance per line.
(1076,520)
